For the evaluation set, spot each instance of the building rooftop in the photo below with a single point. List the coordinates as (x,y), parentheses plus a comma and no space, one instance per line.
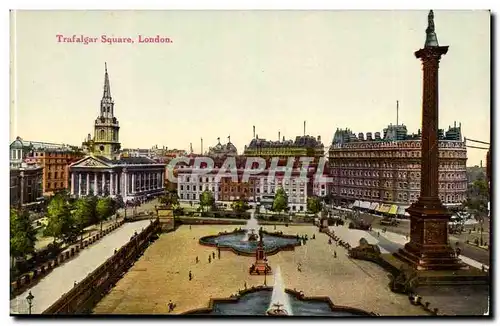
(38,145)
(394,133)
(300,142)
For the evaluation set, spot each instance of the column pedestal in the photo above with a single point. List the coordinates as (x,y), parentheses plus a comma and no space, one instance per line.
(428,248)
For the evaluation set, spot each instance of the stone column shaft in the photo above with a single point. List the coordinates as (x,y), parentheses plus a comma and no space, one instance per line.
(79,184)
(88,184)
(111,183)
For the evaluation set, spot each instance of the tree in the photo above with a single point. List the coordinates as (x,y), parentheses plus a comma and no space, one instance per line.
(240,205)
(105,208)
(314,205)
(119,203)
(169,198)
(92,201)
(82,215)
(280,202)
(22,235)
(60,222)
(206,199)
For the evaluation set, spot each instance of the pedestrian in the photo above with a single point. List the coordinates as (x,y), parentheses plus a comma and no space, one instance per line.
(334,254)
(209,259)
(213,255)
(245,285)
(378,234)
(197,260)
(190,227)
(170,306)
(190,276)
(218,253)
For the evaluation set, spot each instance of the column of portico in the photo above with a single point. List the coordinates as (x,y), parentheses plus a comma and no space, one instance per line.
(103,183)
(125,183)
(111,188)
(133,182)
(149,181)
(72,183)
(88,184)
(116,183)
(79,184)
(95,184)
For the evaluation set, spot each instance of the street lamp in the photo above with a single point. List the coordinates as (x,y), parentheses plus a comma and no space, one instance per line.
(30,298)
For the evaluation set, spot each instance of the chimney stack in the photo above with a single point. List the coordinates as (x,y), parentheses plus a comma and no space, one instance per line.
(253,132)
(202,146)
(304,127)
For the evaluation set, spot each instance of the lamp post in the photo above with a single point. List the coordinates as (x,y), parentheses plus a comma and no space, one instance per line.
(30,298)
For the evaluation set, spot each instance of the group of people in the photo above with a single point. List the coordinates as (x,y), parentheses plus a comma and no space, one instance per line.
(338,242)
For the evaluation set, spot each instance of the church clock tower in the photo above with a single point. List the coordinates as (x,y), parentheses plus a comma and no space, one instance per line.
(106,129)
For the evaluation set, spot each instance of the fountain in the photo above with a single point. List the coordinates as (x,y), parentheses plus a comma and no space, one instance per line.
(260,266)
(251,226)
(249,240)
(280,305)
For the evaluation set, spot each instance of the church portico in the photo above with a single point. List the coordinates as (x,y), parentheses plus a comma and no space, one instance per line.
(98,176)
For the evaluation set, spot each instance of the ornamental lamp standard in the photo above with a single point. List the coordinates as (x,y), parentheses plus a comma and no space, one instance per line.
(30,298)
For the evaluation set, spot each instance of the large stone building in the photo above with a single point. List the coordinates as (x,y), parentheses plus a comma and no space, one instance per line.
(25,186)
(104,171)
(303,146)
(53,158)
(191,182)
(382,173)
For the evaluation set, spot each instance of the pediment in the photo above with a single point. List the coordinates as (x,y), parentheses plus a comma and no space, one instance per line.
(90,162)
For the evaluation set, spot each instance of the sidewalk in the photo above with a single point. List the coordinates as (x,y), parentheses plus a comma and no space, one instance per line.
(391,239)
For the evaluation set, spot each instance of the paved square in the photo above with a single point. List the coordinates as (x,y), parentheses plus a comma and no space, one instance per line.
(161,274)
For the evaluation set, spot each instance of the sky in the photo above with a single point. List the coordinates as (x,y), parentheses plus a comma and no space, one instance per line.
(226,71)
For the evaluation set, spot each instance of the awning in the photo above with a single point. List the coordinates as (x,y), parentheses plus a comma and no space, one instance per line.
(402,210)
(365,204)
(373,206)
(356,204)
(393,210)
(384,208)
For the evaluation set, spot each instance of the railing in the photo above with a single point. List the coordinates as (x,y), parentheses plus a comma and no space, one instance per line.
(82,298)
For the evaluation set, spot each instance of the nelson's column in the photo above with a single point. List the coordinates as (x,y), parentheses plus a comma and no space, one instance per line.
(428,248)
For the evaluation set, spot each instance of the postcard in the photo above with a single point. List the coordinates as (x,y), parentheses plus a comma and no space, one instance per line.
(250,163)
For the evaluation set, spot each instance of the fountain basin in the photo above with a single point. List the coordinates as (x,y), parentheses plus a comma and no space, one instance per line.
(234,241)
(256,301)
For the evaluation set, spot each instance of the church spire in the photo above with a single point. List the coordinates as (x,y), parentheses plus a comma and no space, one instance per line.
(107,90)
(106,101)
(431,37)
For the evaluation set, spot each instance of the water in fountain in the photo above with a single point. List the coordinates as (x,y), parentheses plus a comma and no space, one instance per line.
(252,227)
(279,297)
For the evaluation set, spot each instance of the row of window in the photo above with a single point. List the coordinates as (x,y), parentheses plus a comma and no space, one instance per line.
(396,165)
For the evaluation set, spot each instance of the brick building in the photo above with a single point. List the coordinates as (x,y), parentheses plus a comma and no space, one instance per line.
(382,173)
